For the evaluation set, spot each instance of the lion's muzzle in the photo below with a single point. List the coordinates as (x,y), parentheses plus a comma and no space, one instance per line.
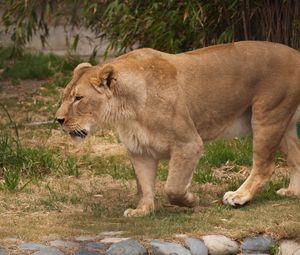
(78,133)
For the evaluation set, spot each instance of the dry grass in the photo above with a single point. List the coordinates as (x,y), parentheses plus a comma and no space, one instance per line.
(90,204)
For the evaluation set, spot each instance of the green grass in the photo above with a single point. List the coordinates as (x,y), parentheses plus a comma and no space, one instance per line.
(238,151)
(35,65)
(5,56)
(18,161)
(119,167)
(54,199)
(216,154)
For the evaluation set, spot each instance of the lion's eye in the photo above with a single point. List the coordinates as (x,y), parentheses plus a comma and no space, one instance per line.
(77,98)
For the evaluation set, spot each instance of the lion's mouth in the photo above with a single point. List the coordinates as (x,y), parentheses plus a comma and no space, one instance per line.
(78,133)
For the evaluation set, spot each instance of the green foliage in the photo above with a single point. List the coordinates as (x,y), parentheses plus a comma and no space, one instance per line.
(32,67)
(35,66)
(274,249)
(5,56)
(170,25)
(11,178)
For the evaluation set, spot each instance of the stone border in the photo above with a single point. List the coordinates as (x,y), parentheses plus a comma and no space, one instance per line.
(108,243)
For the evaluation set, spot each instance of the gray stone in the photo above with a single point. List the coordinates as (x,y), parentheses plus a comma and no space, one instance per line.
(85,238)
(11,239)
(127,247)
(196,246)
(289,248)
(64,244)
(96,246)
(180,236)
(32,246)
(86,252)
(166,248)
(257,244)
(3,251)
(220,245)
(109,240)
(48,251)
(111,233)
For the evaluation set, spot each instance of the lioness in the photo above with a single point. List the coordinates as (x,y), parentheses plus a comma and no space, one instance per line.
(166,106)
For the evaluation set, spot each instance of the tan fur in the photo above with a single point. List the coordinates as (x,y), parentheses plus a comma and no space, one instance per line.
(165,106)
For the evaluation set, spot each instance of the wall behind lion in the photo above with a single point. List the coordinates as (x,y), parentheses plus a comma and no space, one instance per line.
(60,41)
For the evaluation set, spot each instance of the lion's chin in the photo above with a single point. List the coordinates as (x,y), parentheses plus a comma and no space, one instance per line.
(78,135)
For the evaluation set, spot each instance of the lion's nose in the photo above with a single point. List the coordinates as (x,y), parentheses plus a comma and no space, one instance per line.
(60,120)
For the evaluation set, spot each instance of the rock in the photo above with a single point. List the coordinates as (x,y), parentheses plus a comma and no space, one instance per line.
(289,248)
(64,244)
(48,251)
(254,254)
(127,247)
(85,238)
(257,244)
(108,240)
(196,246)
(220,245)
(32,246)
(166,248)
(111,233)
(11,239)
(86,252)
(96,246)
(180,235)
(3,251)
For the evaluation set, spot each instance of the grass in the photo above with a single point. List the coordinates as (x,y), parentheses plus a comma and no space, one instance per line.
(34,65)
(119,167)
(18,161)
(98,189)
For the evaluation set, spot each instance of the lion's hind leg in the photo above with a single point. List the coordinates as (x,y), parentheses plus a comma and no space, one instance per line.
(290,145)
(268,131)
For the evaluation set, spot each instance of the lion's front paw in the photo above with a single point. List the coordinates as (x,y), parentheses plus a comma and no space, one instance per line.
(136,212)
(189,200)
(145,206)
(287,192)
(235,198)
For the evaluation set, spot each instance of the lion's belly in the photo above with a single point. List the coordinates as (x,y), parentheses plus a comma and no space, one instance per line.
(238,128)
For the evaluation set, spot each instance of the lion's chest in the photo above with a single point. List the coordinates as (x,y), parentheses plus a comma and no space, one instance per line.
(137,139)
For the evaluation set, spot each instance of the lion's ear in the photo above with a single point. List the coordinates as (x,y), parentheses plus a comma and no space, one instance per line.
(107,77)
(80,69)
(105,81)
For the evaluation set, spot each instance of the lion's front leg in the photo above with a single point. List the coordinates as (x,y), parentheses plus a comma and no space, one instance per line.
(145,169)
(184,158)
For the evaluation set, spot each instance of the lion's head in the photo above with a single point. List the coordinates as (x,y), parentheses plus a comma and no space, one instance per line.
(87,100)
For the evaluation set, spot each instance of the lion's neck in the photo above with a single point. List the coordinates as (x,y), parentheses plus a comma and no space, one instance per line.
(117,111)
(134,136)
